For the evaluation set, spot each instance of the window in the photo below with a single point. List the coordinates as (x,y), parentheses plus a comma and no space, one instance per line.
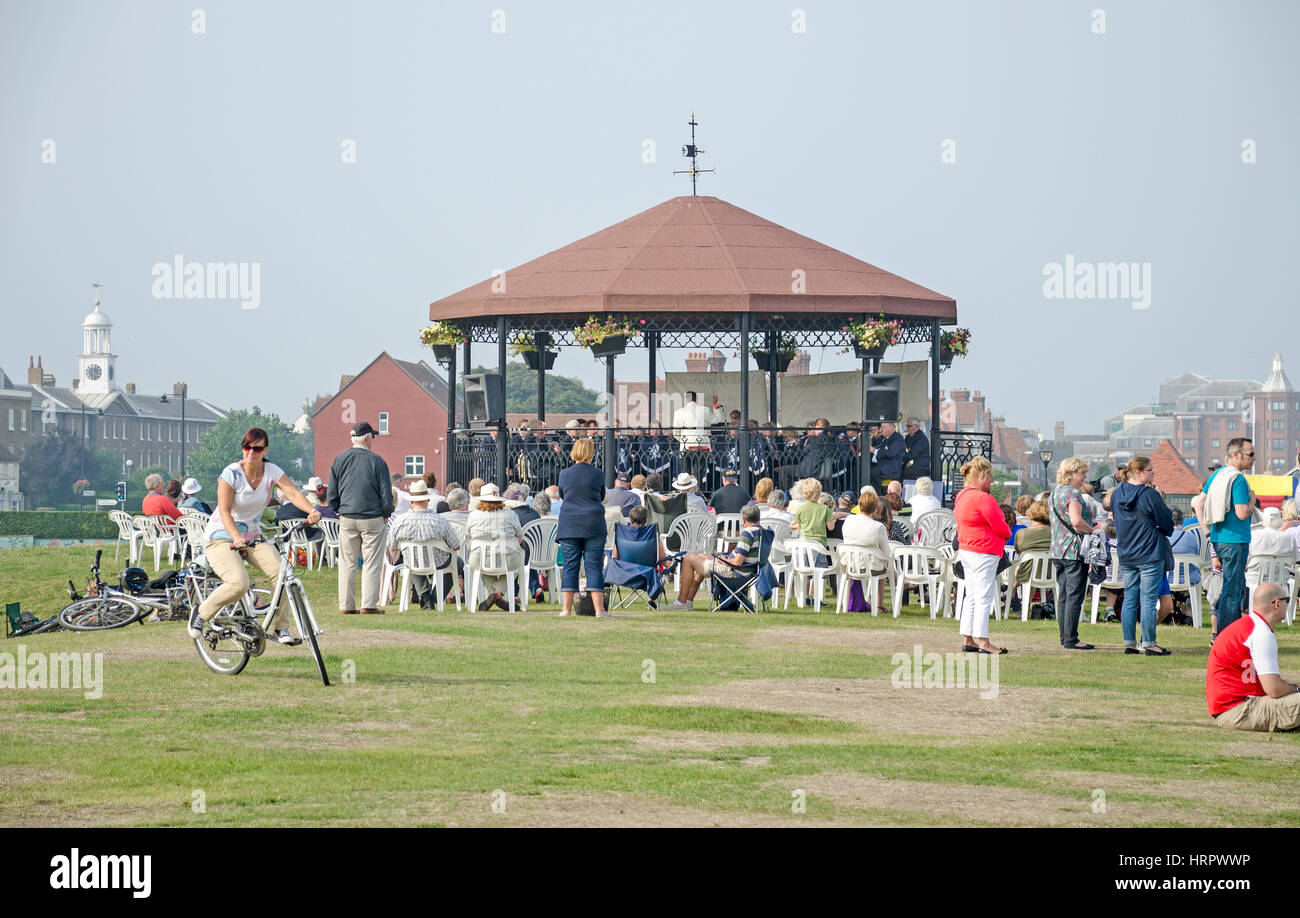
(1278,462)
(1148,442)
(414,464)
(1234,425)
(1189,424)
(383,428)
(1121,444)
(23,414)
(1278,406)
(1214,444)
(1214,425)
(103,430)
(1277,425)
(1189,445)
(1278,445)
(1232,406)
(11,419)
(1218,405)
(144,431)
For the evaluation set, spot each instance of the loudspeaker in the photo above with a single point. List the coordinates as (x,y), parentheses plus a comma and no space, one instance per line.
(880,397)
(485,398)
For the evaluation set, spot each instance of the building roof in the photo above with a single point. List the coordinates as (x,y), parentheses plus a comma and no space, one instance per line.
(1278,381)
(138,405)
(1173,474)
(1148,428)
(1220,388)
(694,254)
(423,375)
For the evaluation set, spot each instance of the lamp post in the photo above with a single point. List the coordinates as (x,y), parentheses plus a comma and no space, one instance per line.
(1046,456)
(183,390)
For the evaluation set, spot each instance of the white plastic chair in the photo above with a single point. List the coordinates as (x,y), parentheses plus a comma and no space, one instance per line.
(329,547)
(1180,581)
(492,559)
(191,529)
(1042,577)
(126,532)
(804,570)
(868,569)
(1269,569)
(934,528)
(729,527)
(698,532)
(922,567)
(1113,582)
(418,558)
(158,536)
(541,547)
(779,558)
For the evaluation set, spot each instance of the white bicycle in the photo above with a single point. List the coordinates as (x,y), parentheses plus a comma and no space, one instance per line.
(234,635)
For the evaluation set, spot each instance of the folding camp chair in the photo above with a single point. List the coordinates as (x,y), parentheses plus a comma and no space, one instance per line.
(663,511)
(731,593)
(636,569)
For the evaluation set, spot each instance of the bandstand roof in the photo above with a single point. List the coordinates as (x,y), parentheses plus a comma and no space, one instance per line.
(691,259)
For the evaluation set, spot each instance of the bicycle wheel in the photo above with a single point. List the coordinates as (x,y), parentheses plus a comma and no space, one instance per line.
(99,613)
(304,628)
(219,649)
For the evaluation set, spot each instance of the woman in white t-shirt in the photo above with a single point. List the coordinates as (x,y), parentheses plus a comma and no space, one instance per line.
(243,491)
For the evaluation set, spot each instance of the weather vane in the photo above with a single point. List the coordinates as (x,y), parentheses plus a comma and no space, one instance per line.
(96,285)
(691,151)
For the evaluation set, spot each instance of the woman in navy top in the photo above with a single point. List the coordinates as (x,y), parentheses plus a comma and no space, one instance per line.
(581,528)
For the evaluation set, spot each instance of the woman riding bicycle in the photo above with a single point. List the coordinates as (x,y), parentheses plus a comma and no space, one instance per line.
(243,491)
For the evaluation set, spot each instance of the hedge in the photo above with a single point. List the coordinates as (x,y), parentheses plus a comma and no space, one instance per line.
(57,524)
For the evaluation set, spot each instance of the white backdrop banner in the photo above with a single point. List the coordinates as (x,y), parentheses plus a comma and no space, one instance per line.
(834,396)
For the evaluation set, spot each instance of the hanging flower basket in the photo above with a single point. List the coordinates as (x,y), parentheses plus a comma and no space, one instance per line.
(607,337)
(442,338)
(954,343)
(779,359)
(531,358)
(871,337)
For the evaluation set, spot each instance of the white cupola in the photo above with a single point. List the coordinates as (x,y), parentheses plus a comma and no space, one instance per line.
(96,363)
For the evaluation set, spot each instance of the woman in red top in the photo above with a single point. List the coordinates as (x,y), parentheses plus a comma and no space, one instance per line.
(982,532)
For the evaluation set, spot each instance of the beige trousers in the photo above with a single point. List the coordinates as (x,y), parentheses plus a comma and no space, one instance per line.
(1264,714)
(360,539)
(228,564)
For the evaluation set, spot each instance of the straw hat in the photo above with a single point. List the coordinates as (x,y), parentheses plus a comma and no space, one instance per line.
(491,494)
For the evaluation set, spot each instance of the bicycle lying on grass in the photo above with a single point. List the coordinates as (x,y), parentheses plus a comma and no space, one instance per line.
(234,635)
(106,606)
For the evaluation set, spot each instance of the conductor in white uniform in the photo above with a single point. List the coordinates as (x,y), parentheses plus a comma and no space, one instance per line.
(692,420)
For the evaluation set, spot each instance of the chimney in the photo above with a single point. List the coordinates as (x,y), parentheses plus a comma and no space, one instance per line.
(76,383)
(1058,430)
(130,388)
(800,364)
(696,362)
(33,372)
(178,389)
(961,395)
(717,361)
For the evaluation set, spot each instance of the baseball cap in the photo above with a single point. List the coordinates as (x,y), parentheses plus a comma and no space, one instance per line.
(363,429)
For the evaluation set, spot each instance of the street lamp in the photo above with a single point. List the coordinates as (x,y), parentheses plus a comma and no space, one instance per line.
(184,390)
(1046,456)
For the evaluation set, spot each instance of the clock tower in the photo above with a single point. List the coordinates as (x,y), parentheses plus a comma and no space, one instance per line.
(96,363)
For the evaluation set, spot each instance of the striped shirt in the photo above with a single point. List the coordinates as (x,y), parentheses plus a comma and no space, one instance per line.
(421,526)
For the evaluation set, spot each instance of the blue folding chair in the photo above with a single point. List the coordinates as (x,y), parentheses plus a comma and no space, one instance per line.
(636,569)
(729,594)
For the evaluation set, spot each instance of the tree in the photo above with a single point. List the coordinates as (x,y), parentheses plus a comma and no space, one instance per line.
(52,464)
(220,446)
(564,395)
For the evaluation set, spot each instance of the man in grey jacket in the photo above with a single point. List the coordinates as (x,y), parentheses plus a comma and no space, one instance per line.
(359,490)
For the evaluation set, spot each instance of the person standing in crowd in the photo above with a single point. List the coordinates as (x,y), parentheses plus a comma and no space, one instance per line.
(243,492)
(1243,686)
(360,491)
(156,503)
(916,452)
(581,528)
(1072,519)
(730,497)
(887,453)
(981,532)
(1143,525)
(190,489)
(1224,504)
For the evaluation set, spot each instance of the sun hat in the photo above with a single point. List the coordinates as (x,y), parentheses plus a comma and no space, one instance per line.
(418,490)
(685,482)
(491,494)
(571,424)
(191,486)
(314,484)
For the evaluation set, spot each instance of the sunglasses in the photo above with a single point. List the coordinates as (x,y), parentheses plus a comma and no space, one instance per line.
(256,449)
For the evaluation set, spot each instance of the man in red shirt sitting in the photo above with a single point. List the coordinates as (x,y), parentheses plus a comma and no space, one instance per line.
(156,503)
(1242,685)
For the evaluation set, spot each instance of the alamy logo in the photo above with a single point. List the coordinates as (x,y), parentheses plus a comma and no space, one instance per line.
(1107,280)
(196,280)
(53,671)
(103,871)
(946,670)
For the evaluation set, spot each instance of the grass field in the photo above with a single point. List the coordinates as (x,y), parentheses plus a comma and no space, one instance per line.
(492,719)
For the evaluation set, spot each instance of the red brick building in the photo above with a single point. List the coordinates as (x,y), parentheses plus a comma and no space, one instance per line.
(1276,423)
(404,401)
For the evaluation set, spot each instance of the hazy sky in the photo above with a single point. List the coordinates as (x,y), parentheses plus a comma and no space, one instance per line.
(478,150)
